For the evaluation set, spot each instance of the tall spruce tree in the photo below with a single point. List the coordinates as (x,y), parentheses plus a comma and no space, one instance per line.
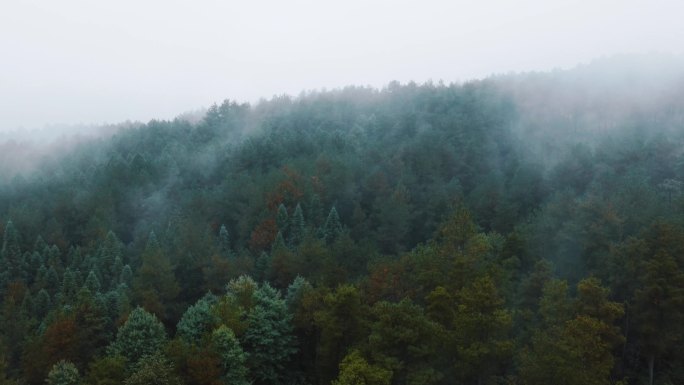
(297,227)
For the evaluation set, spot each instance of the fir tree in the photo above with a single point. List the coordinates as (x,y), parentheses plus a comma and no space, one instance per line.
(126,276)
(332,227)
(155,284)
(69,287)
(63,373)
(140,336)
(197,320)
(224,242)
(11,258)
(41,305)
(297,227)
(232,357)
(282,219)
(269,339)
(92,283)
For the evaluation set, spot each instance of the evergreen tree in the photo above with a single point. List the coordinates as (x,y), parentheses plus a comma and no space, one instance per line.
(355,370)
(140,336)
(41,305)
(659,308)
(481,330)
(224,242)
(197,320)
(69,287)
(92,283)
(153,370)
(269,339)
(63,373)
(155,285)
(282,219)
(126,276)
(232,358)
(332,227)
(52,284)
(297,227)
(11,259)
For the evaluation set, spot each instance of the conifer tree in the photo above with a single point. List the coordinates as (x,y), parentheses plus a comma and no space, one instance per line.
(297,227)
(63,373)
(232,357)
(11,258)
(332,227)
(153,370)
(140,336)
(92,283)
(269,339)
(355,370)
(282,219)
(41,305)
(224,242)
(126,276)
(155,285)
(197,320)
(69,287)
(52,284)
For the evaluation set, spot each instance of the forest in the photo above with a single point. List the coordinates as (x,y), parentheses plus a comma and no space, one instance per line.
(523,229)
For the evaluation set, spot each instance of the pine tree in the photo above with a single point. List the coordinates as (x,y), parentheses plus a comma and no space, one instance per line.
(297,228)
(355,370)
(269,339)
(315,211)
(52,284)
(92,283)
(153,370)
(332,227)
(140,336)
(63,373)
(232,357)
(69,287)
(224,242)
(282,219)
(197,320)
(11,258)
(41,305)
(155,285)
(481,330)
(126,276)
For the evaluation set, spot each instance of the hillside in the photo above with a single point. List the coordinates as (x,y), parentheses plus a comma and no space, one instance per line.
(520,229)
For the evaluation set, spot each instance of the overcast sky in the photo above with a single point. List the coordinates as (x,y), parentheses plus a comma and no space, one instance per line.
(85,61)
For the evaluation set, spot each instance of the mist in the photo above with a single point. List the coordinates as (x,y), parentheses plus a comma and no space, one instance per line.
(75,62)
(304,193)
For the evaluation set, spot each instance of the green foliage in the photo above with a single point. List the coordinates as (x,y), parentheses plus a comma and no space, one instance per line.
(92,283)
(140,336)
(110,370)
(153,370)
(197,320)
(297,227)
(155,284)
(482,328)
(63,373)
(232,358)
(355,370)
(405,342)
(224,241)
(474,214)
(269,339)
(332,227)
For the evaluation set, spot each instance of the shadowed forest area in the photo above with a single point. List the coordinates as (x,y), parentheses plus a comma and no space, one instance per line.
(522,229)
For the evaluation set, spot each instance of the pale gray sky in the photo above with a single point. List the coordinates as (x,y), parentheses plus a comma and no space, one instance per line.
(86,61)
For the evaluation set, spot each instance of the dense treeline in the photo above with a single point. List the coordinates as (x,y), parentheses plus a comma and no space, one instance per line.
(500,231)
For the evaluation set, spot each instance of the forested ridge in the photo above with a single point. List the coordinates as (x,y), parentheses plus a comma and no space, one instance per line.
(521,229)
